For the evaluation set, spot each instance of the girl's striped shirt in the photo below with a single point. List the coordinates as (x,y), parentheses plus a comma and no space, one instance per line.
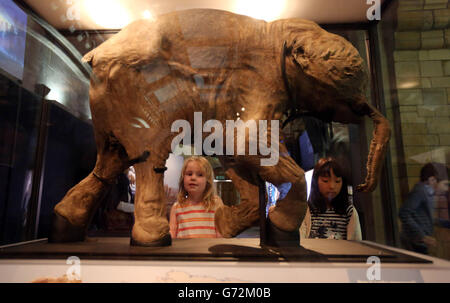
(330,225)
(194,221)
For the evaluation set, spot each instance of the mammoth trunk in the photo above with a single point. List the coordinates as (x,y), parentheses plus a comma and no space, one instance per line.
(377,152)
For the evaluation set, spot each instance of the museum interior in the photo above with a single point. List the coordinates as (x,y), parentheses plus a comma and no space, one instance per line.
(49,142)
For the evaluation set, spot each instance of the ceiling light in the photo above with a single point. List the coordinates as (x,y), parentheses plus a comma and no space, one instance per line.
(108,14)
(148,15)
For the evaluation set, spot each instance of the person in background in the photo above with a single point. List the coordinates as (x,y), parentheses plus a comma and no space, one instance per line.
(416,213)
(330,214)
(131,174)
(126,203)
(442,197)
(192,216)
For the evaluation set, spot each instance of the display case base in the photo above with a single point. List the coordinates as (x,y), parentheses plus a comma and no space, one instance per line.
(247,249)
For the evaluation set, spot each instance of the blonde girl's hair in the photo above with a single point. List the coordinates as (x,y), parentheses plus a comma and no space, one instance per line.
(209,195)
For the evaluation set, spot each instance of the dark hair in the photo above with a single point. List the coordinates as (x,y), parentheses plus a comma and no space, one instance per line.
(427,171)
(317,202)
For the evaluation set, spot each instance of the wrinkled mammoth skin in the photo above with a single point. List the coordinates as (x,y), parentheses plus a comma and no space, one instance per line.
(153,73)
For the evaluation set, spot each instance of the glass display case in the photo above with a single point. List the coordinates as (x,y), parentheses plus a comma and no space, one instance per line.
(195,66)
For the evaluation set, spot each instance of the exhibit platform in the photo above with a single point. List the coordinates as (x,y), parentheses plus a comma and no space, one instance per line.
(112,259)
(239,249)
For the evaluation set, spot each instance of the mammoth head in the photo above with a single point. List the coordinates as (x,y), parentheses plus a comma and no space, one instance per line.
(327,77)
(329,62)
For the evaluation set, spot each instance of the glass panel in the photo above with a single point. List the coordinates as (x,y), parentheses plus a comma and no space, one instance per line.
(415,53)
(34,66)
(406,56)
(69,157)
(20,112)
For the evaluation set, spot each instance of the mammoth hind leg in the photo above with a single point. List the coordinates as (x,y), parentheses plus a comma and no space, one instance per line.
(73,214)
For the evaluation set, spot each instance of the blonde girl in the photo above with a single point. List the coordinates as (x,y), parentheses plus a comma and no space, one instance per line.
(192,216)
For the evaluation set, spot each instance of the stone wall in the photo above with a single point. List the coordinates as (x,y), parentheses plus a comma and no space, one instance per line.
(422,70)
(422,74)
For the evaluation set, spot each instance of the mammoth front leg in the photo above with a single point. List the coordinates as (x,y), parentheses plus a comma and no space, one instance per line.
(151,227)
(231,221)
(289,210)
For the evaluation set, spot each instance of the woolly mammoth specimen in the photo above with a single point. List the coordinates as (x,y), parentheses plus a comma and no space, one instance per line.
(221,67)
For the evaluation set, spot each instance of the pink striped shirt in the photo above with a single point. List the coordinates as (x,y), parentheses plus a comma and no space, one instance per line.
(194,221)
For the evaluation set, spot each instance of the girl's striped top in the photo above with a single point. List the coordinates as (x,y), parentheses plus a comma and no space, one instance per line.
(330,225)
(194,221)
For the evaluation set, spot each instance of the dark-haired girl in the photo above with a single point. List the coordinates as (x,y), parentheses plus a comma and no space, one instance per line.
(330,214)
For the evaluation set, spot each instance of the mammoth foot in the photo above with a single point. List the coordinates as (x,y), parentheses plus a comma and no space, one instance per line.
(158,236)
(281,238)
(164,241)
(63,231)
(230,221)
(287,215)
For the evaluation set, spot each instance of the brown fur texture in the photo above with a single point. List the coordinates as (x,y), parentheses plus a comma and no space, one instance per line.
(216,63)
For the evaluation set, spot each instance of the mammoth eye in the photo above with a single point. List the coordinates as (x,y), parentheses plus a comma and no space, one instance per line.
(299,51)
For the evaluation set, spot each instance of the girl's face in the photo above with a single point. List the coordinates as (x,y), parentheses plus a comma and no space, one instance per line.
(194,180)
(331,186)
